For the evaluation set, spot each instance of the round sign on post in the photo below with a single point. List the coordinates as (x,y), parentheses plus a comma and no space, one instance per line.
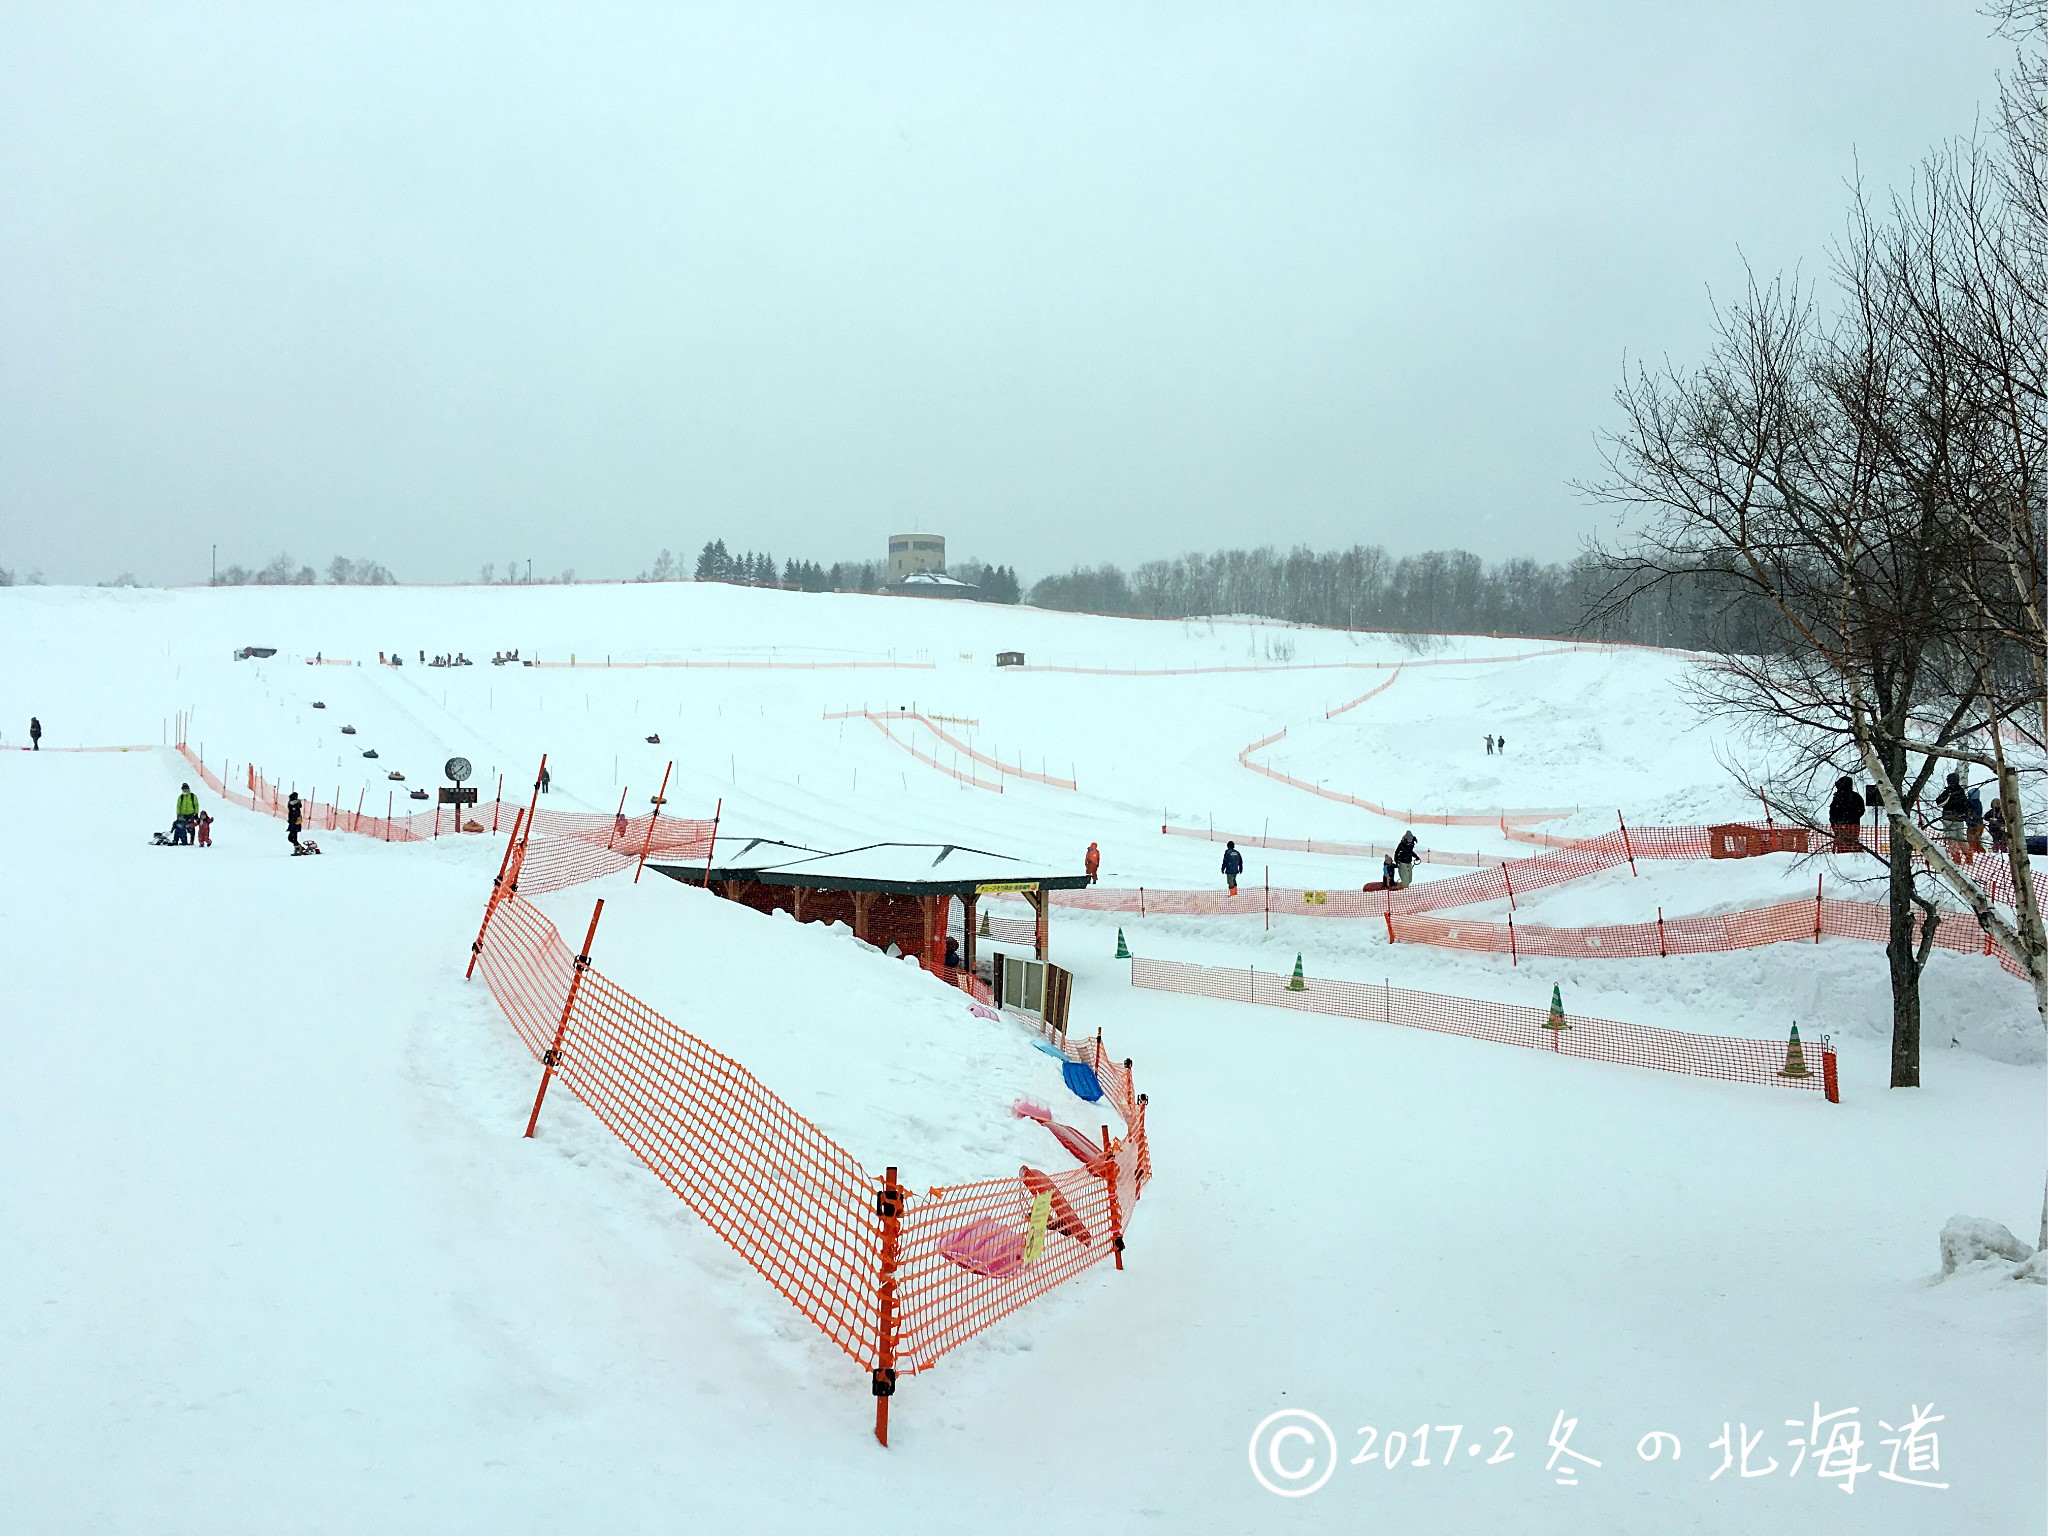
(457,769)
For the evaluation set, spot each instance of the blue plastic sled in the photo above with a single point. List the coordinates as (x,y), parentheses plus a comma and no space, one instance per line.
(1081,1078)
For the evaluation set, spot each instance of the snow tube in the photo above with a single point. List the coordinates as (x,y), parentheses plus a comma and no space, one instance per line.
(1050,1049)
(1063,1218)
(986,1248)
(1081,1078)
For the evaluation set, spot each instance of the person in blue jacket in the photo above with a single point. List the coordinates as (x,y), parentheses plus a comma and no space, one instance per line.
(1233,865)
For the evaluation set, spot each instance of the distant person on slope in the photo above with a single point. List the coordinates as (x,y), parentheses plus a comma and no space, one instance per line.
(293,812)
(1500,745)
(1233,864)
(35,734)
(546,779)
(1955,815)
(187,816)
(1845,815)
(1093,862)
(1404,860)
(1489,743)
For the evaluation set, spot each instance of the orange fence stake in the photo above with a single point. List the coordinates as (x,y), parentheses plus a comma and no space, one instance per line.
(889,1200)
(1817,879)
(1508,881)
(1661,950)
(497,889)
(648,841)
(1626,846)
(1116,1217)
(554,1052)
(621,811)
(1514,953)
(717,812)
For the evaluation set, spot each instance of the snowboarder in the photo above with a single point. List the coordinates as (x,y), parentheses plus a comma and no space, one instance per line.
(1093,862)
(1845,815)
(35,734)
(187,817)
(1955,815)
(293,811)
(1404,860)
(1489,743)
(1233,864)
(205,829)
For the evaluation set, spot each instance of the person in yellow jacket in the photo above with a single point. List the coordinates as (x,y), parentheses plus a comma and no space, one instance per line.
(187,817)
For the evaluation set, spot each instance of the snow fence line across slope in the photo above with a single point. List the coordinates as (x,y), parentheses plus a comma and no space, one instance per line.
(1726,1057)
(569,847)
(876,1266)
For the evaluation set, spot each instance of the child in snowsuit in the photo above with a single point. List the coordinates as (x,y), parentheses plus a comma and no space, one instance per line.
(1973,817)
(1994,823)
(205,829)
(1093,862)
(1233,865)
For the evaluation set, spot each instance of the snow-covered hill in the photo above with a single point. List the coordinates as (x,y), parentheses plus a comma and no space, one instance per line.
(279,1258)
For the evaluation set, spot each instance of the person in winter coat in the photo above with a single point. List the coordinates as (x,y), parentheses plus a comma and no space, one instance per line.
(35,734)
(1845,815)
(1093,862)
(1994,823)
(205,830)
(1973,818)
(1500,746)
(1954,806)
(1489,743)
(293,814)
(187,817)
(1387,873)
(1233,864)
(1404,860)
(547,778)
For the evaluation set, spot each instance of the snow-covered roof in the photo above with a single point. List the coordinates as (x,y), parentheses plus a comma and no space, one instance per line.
(926,869)
(737,858)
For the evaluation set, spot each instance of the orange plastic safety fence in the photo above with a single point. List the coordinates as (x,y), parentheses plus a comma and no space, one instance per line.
(972,753)
(1324,845)
(1726,1057)
(795,1205)
(1504,819)
(882,725)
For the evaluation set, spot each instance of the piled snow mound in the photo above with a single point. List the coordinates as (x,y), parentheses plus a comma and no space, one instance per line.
(1967,1240)
(887,1060)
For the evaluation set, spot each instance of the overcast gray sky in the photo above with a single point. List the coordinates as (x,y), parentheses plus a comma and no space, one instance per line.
(436,284)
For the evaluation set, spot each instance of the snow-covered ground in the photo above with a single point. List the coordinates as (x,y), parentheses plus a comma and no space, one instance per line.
(278,1258)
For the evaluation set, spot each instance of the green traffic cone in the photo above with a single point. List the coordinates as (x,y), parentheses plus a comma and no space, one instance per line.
(1556,1019)
(1297,985)
(1795,1058)
(1123,951)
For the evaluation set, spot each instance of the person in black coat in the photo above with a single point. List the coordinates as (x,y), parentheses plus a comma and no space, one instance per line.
(1845,815)
(35,734)
(293,812)
(1404,860)
(1233,864)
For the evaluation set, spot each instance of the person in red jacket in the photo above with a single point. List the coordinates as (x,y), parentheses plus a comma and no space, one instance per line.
(1093,861)
(205,830)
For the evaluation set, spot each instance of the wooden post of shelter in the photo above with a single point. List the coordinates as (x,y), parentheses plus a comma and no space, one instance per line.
(1041,932)
(968,919)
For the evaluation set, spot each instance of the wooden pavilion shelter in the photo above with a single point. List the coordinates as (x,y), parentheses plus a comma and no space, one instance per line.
(888,893)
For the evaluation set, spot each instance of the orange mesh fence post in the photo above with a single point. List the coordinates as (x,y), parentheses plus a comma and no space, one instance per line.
(497,891)
(1817,879)
(1514,950)
(359,810)
(1116,1215)
(1508,881)
(660,799)
(497,799)
(889,1206)
(1626,845)
(1662,951)
(618,816)
(553,1057)
(717,813)
(387,815)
